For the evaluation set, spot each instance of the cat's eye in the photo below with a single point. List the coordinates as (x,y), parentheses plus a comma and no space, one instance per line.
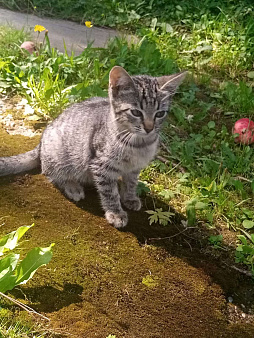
(160,114)
(136,113)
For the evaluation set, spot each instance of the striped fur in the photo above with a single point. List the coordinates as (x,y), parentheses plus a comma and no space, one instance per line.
(100,140)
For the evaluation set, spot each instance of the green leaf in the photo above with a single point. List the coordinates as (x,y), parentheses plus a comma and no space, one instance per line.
(153,24)
(9,241)
(247,224)
(247,235)
(166,27)
(200,205)
(252,186)
(9,262)
(251,75)
(33,260)
(243,239)
(149,281)
(211,124)
(191,214)
(7,266)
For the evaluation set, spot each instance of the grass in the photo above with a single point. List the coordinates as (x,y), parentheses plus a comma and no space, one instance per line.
(15,324)
(10,41)
(204,174)
(197,137)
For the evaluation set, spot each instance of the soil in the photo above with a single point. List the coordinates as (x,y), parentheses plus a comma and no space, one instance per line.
(103,281)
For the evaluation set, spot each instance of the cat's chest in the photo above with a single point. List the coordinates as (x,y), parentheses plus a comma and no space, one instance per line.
(138,158)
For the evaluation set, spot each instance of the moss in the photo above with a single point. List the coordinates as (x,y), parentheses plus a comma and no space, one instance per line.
(94,285)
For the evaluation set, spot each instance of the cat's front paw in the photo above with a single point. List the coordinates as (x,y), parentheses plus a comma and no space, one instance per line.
(133,204)
(118,220)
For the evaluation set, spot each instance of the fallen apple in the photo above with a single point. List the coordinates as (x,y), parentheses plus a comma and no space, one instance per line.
(29,46)
(245,130)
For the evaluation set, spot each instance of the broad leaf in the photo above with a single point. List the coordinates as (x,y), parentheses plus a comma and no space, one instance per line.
(33,260)
(248,224)
(7,266)
(9,241)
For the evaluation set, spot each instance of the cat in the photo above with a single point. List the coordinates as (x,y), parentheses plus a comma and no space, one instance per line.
(100,140)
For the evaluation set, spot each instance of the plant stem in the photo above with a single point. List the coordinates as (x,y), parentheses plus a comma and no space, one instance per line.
(23,306)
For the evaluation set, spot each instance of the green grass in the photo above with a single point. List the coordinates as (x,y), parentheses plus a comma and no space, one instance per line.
(216,36)
(17,324)
(10,41)
(208,177)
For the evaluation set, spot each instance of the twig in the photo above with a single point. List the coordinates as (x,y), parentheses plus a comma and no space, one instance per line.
(188,244)
(163,145)
(241,178)
(23,306)
(162,159)
(245,272)
(161,238)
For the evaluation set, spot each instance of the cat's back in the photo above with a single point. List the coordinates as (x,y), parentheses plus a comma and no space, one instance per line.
(90,111)
(71,133)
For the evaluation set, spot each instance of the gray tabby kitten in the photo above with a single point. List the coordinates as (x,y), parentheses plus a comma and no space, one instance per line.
(101,139)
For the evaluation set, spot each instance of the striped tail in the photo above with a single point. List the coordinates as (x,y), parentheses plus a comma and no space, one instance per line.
(20,163)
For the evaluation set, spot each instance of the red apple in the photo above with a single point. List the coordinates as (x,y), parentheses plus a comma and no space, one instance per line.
(245,128)
(29,46)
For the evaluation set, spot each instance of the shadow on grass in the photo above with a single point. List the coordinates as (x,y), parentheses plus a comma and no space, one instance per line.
(190,245)
(49,299)
(174,240)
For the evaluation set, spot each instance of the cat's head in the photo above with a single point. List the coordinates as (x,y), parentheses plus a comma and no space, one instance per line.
(141,103)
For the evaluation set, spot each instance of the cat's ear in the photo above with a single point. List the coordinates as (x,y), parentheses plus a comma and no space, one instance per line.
(120,79)
(170,83)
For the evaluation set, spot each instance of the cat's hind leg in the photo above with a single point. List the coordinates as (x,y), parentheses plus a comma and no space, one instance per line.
(73,190)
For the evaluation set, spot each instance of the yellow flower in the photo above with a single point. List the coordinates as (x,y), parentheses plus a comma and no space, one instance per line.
(88,24)
(39,28)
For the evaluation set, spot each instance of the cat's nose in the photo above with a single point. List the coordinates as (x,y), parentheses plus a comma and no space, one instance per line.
(148,126)
(148,130)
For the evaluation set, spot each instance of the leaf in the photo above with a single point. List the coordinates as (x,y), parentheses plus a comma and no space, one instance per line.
(33,260)
(7,266)
(191,214)
(33,118)
(212,187)
(8,263)
(252,186)
(200,205)
(149,281)
(243,239)
(251,238)
(9,241)
(142,188)
(251,75)
(211,124)
(247,224)
(153,24)
(167,194)
(166,27)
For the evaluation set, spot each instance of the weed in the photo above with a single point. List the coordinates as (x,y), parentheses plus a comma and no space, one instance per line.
(245,250)
(160,216)
(216,241)
(14,272)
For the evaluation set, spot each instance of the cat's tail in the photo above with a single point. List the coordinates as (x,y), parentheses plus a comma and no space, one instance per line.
(20,163)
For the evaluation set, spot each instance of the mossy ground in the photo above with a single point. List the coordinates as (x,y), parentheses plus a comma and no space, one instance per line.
(104,281)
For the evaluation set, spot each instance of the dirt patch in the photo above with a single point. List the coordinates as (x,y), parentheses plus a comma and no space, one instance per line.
(103,281)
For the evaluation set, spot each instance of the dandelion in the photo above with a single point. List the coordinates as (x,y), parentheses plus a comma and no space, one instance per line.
(88,24)
(39,28)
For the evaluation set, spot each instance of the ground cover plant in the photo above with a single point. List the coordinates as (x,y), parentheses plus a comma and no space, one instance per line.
(13,272)
(201,172)
(215,180)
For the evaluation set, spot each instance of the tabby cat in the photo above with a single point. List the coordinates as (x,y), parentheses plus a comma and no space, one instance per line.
(102,139)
